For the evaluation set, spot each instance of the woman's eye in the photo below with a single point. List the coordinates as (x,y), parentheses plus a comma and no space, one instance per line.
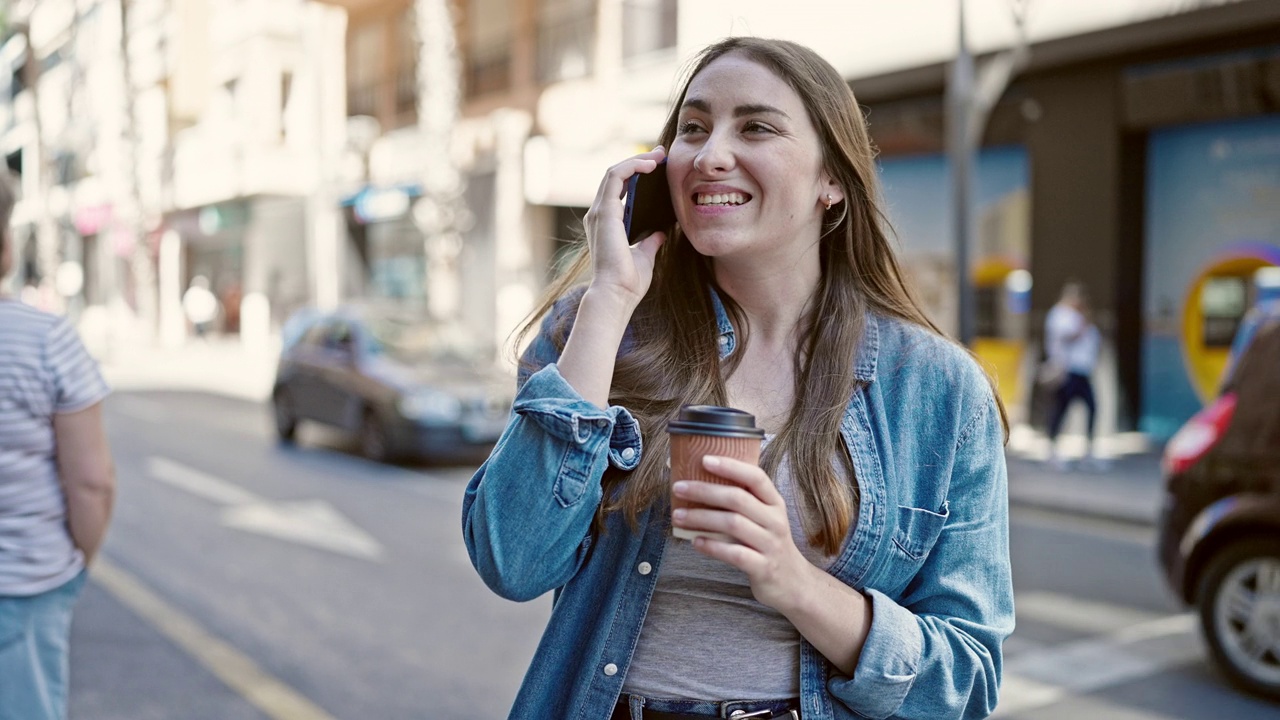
(756,127)
(688,127)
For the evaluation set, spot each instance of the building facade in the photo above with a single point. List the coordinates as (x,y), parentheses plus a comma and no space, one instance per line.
(1142,159)
(156,141)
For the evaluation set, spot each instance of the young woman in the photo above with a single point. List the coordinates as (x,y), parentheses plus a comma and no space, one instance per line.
(868,574)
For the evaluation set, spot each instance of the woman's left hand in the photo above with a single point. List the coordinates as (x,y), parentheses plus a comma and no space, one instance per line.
(753,513)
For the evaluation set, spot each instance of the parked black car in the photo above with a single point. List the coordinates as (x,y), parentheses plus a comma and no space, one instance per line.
(395,381)
(1220,529)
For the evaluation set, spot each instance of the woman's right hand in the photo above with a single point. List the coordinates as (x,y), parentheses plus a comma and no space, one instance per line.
(621,270)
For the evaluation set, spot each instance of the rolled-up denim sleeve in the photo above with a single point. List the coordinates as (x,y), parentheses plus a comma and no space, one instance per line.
(935,652)
(528,510)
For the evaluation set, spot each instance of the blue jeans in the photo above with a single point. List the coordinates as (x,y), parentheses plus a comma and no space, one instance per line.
(35,635)
(1076,386)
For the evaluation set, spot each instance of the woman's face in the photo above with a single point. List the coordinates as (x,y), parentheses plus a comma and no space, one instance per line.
(745,166)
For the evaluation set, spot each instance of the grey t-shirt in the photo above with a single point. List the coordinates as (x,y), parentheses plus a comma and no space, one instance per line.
(705,637)
(44,370)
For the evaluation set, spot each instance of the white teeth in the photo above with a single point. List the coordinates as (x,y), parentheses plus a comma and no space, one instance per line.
(721,199)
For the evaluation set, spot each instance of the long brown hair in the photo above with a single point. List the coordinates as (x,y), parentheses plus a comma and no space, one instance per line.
(672,356)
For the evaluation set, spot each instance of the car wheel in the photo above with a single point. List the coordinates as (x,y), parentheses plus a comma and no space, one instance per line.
(286,416)
(1239,604)
(375,444)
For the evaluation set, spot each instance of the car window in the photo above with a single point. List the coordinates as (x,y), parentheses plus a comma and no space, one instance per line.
(339,336)
(316,334)
(411,340)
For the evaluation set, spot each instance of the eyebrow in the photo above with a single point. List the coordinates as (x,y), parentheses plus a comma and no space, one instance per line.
(740,111)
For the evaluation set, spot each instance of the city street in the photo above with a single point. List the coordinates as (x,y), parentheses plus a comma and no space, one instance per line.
(242,579)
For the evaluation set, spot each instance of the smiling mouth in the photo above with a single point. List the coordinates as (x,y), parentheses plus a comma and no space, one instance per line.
(721,199)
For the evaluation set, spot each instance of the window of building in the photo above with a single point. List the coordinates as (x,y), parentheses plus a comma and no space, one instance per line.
(648,26)
(286,93)
(364,69)
(566,39)
(406,64)
(488,47)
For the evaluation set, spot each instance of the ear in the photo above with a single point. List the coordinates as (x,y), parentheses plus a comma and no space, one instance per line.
(832,188)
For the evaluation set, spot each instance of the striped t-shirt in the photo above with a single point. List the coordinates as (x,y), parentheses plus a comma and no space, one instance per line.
(44,370)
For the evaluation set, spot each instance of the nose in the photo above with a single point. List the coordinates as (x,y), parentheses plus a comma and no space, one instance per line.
(715,156)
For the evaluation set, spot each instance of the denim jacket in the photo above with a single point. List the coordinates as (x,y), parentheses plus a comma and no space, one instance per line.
(930,547)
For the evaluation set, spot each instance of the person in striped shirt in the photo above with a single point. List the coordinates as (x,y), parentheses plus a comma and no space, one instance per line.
(57,485)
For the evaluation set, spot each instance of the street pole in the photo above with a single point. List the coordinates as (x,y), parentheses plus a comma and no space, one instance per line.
(971,94)
(960,154)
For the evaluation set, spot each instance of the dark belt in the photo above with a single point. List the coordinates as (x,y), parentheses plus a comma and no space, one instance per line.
(742,710)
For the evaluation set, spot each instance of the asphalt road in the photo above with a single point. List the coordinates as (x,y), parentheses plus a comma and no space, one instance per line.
(242,579)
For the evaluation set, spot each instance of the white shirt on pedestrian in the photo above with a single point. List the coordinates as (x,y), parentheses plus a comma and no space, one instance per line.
(1071,340)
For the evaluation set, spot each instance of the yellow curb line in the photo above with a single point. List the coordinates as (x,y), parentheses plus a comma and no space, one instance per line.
(235,669)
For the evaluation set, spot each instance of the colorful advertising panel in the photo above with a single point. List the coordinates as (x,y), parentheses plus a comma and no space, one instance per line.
(917,192)
(1213,221)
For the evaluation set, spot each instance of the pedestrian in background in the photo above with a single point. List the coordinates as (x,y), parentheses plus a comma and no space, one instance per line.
(200,305)
(57,486)
(1072,344)
(867,567)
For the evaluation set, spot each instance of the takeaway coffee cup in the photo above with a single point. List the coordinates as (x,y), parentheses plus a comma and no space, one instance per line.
(709,430)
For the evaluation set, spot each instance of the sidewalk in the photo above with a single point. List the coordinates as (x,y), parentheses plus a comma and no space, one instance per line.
(1129,490)
(220,365)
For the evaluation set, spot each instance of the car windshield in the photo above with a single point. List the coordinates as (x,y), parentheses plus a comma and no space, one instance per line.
(412,340)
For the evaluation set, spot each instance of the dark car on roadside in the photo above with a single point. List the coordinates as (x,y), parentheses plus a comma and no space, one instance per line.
(1219,541)
(400,385)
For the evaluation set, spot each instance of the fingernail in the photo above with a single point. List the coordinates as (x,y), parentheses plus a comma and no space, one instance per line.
(681,487)
(710,461)
(679,513)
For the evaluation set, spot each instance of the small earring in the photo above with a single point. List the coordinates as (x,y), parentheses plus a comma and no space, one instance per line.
(829,201)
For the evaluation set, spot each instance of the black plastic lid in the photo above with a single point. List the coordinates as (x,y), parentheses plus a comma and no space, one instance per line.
(713,420)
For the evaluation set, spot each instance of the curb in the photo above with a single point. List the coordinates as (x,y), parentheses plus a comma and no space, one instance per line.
(1086,511)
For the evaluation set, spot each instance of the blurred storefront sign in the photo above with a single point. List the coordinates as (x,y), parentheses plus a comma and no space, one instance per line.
(1213,223)
(916,189)
(387,240)
(379,204)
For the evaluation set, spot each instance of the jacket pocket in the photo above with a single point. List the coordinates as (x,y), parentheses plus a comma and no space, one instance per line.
(918,530)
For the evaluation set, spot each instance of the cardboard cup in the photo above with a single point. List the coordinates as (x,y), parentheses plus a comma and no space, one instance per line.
(688,449)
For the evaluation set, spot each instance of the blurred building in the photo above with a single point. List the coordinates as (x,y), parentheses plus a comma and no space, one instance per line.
(174,139)
(256,111)
(284,149)
(1140,156)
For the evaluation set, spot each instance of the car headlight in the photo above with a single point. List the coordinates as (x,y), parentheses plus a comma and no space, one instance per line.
(430,406)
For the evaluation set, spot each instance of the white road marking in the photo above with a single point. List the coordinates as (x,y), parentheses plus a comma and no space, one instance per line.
(199,483)
(1086,616)
(274,698)
(1044,677)
(309,522)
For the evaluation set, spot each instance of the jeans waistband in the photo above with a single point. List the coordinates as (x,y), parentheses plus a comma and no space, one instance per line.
(634,706)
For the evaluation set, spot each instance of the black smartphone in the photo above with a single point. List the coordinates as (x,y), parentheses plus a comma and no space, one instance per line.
(648,206)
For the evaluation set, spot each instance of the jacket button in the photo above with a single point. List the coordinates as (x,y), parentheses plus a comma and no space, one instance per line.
(610,669)
(628,453)
(644,568)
